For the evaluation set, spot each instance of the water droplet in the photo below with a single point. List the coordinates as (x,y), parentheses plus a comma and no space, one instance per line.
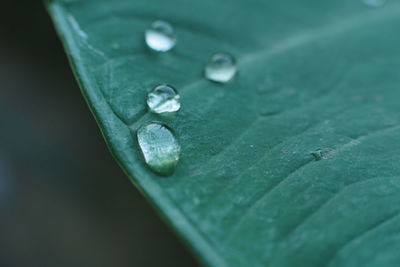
(221,68)
(163,99)
(374,3)
(159,147)
(160,36)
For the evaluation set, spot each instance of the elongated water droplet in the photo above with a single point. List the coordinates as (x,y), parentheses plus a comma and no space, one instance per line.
(163,99)
(221,68)
(374,3)
(159,147)
(160,36)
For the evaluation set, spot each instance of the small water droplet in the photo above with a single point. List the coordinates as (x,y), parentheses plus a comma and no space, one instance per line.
(221,68)
(159,147)
(160,36)
(374,3)
(163,99)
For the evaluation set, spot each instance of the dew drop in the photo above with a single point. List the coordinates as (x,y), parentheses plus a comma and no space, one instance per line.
(374,3)
(221,68)
(160,36)
(164,99)
(159,147)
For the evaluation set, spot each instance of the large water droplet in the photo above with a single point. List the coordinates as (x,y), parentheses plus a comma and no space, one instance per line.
(160,36)
(374,3)
(163,99)
(159,147)
(221,68)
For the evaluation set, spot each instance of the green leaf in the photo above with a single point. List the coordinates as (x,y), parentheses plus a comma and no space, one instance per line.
(295,162)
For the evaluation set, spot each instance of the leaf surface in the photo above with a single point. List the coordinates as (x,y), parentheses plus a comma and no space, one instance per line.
(296,162)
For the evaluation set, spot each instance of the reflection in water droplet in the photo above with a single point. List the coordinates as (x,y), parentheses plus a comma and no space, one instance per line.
(160,36)
(163,99)
(159,147)
(374,3)
(221,68)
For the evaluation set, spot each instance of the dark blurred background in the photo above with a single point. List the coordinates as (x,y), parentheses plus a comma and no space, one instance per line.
(63,199)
